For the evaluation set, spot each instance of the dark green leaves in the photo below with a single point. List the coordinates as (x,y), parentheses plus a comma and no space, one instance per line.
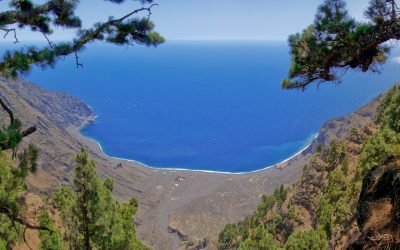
(50,240)
(380,11)
(11,185)
(335,42)
(389,110)
(43,18)
(312,240)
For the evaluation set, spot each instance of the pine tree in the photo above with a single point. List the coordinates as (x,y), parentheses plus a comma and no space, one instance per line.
(336,42)
(92,219)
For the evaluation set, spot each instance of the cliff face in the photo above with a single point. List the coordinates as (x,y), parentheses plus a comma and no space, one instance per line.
(341,128)
(330,177)
(53,114)
(327,193)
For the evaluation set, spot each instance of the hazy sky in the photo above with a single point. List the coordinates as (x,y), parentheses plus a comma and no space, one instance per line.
(213,19)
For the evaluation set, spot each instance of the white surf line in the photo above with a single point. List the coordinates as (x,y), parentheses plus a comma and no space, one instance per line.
(199,170)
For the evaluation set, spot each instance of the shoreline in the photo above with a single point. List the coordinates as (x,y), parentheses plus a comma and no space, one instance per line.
(92,118)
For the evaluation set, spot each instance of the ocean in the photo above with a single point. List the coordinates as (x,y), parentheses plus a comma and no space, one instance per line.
(215,106)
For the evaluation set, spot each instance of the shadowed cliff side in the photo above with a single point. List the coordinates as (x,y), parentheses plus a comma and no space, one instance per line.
(378,209)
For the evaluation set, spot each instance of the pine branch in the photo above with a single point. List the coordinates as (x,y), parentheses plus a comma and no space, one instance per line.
(336,42)
(28,131)
(8,31)
(8,110)
(5,145)
(6,211)
(119,31)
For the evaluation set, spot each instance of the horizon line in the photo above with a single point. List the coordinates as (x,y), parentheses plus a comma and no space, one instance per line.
(168,40)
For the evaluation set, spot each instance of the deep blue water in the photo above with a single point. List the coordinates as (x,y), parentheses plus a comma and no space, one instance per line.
(201,105)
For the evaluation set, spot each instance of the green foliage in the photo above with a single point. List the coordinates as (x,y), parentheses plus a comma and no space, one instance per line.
(338,199)
(336,153)
(228,237)
(319,148)
(380,11)
(48,15)
(268,202)
(12,178)
(308,240)
(11,136)
(256,231)
(345,165)
(383,146)
(389,110)
(109,184)
(354,132)
(336,185)
(336,202)
(92,219)
(3,244)
(50,240)
(11,185)
(335,42)
(280,194)
(380,148)
(259,239)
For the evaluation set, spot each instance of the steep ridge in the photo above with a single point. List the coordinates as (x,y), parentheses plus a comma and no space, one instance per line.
(322,200)
(178,209)
(52,114)
(347,196)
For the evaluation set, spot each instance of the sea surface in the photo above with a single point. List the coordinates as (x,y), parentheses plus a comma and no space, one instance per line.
(215,106)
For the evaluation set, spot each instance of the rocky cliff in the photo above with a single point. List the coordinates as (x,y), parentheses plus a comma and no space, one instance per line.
(53,114)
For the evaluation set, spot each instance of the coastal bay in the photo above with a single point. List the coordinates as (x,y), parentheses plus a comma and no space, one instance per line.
(212,106)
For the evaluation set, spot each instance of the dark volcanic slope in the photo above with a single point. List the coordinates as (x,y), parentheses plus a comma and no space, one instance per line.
(178,209)
(52,114)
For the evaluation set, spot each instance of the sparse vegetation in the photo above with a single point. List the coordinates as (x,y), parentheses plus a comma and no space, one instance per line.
(256,232)
(333,182)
